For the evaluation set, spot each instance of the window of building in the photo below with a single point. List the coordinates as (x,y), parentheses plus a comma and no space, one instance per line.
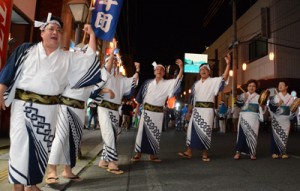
(257,49)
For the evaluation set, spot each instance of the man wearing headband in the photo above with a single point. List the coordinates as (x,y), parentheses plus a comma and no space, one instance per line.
(201,110)
(108,114)
(152,96)
(70,122)
(32,80)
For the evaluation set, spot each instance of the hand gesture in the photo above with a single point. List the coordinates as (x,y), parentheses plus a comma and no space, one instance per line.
(228,59)
(179,63)
(88,29)
(137,66)
(111,94)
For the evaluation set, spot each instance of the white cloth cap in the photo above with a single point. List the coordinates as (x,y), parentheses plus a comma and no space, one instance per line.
(42,25)
(154,64)
(205,65)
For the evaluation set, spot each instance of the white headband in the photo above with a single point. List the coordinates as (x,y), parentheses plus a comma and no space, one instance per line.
(205,65)
(154,64)
(42,25)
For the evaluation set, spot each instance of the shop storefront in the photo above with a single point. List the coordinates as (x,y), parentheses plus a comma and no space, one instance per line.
(16,28)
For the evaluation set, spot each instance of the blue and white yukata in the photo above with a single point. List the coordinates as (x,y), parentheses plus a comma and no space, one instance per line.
(248,126)
(71,112)
(201,122)
(34,82)
(280,122)
(108,114)
(152,96)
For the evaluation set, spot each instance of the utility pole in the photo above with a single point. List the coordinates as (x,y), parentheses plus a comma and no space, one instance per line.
(234,53)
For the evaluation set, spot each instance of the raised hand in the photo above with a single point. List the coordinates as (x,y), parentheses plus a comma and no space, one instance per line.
(137,66)
(88,29)
(228,59)
(179,63)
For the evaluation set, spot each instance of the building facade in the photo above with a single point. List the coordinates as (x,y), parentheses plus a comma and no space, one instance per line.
(19,17)
(268,43)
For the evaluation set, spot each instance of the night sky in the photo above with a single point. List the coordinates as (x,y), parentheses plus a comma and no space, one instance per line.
(163,30)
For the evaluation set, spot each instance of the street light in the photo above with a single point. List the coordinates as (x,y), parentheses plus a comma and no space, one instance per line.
(271,56)
(79,9)
(244,67)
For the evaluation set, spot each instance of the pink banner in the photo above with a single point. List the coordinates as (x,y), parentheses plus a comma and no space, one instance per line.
(5,18)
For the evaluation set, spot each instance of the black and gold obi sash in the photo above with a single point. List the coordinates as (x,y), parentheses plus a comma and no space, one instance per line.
(153,108)
(37,98)
(109,105)
(72,102)
(204,104)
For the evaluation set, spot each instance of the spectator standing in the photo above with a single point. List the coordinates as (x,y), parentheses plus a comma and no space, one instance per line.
(222,117)
(126,111)
(92,114)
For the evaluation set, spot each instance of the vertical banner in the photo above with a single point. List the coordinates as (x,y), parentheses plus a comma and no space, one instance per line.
(105,18)
(5,16)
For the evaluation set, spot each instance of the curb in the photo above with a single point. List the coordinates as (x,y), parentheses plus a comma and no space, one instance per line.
(81,165)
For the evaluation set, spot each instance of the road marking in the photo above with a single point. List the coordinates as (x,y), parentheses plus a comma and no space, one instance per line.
(295,156)
(3,174)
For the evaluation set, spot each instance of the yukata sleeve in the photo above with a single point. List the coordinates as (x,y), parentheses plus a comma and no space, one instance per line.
(192,96)
(11,72)
(95,94)
(219,83)
(173,86)
(142,92)
(272,104)
(85,69)
(129,85)
(240,101)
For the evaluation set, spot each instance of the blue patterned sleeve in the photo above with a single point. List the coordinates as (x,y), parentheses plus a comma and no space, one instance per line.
(272,105)
(133,85)
(92,75)
(10,70)
(142,92)
(222,84)
(240,101)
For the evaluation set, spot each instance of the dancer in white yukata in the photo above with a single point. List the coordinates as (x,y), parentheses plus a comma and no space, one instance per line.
(32,80)
(248,125)
(279,108)
(201,110)
(152,96)
(108,114)
(71,114)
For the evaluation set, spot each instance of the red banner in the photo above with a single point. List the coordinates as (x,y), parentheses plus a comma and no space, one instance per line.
(5,18)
